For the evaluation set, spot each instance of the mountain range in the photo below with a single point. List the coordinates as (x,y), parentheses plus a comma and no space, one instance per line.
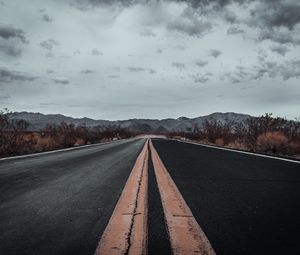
(38,121)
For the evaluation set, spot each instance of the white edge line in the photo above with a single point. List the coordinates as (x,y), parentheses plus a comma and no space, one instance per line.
(238,151)
(59,150)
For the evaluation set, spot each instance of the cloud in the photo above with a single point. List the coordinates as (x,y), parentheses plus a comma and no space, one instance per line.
(235,30)
(200,79)
(4,97)
(178,65)
(148,33)
(63,81)
(96,52)
(190,23)
(280,49)
(214,53)
(113,76)
(8,76)
(286,70)
(151,71)
(87,71)
(229,16)
(201,63)
(136,69)
(49,44)
(9,32)
(12,41)
(290,70)
(276,13)
(46,18)
(89,4)
(279,35)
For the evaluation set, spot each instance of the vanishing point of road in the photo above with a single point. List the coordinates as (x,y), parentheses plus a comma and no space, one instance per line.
(149,196)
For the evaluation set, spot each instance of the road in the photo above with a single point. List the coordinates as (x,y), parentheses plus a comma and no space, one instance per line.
(129,197)
(60,203)
(245,204)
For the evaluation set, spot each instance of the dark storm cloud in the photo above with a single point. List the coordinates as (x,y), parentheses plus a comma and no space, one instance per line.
(9,49)
(49,44)
(201,63)
(11,41)
(280,49)
(61,81)
(214,53)
(276,13)
(9,32)
(8,76)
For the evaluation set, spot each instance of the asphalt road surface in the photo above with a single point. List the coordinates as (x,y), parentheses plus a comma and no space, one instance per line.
(61,203)
(245,204)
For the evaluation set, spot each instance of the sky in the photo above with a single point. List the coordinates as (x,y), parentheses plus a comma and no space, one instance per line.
(113,59)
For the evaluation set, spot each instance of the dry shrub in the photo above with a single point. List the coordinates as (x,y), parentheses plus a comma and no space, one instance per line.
(219,142)
(237,145)
(44,143)
(274,142)
(79,142)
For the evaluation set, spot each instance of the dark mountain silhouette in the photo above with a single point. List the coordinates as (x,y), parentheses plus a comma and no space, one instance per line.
(38,121)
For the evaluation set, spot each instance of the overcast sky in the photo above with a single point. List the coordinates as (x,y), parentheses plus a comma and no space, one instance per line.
(110,59)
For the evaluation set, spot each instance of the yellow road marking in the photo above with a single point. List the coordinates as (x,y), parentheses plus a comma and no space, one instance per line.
(185,234)
(126,232)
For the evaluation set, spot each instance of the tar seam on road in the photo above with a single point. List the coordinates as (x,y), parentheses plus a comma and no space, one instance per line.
(185,234)
(126,232)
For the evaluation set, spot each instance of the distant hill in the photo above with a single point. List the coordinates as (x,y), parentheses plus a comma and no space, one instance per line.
(38,121)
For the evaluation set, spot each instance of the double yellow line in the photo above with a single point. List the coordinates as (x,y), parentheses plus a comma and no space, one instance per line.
(126,232)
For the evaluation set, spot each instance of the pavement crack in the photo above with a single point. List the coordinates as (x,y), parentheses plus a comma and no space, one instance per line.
(134,213)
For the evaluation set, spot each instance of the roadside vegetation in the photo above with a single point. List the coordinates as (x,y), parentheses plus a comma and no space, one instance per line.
(16,139)
(264,134)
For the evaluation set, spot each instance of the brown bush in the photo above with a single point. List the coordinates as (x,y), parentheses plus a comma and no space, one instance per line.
(219,142)
(45,143)
(274,142)
(239,145)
